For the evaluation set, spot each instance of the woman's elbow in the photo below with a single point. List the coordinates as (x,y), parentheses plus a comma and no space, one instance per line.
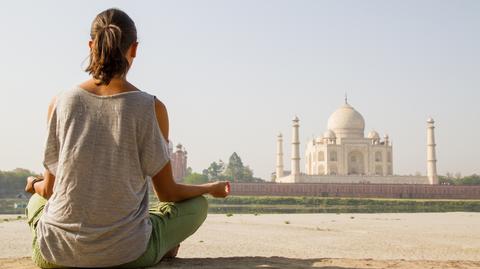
(166,190)
(45,193)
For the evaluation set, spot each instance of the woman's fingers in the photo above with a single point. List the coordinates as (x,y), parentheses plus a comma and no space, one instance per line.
(29,186)
(220,189)
(31,180)
(227,188)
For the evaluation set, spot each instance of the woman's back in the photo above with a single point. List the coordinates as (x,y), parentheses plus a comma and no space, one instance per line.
(103,148)
(105,137)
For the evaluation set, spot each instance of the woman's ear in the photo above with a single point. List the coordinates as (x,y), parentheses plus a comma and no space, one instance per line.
(90,44)
(133,49)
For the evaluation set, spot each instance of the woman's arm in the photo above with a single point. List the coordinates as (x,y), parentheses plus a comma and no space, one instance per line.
(165,187)
(44,187)
(168,190)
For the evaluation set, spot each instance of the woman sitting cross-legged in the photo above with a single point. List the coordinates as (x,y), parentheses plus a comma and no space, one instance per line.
(105,139)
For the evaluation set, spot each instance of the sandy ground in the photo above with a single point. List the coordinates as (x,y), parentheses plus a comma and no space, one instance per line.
(340,241)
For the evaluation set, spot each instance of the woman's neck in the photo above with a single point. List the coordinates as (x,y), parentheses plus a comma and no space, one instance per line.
(116,85)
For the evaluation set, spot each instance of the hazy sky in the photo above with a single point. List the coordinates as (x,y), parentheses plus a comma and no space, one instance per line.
(234,73)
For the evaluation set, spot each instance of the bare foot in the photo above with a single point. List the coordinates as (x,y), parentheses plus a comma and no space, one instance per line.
(171,253)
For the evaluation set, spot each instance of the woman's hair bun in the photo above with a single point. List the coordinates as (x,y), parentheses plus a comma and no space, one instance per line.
(112,33)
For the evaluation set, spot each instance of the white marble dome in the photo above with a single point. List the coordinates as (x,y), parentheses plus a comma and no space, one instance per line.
(347,122)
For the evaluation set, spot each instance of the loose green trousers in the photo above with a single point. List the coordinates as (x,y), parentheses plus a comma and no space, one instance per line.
(171,224)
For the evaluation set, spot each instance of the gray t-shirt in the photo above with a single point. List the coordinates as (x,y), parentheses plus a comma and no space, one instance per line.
(101,149)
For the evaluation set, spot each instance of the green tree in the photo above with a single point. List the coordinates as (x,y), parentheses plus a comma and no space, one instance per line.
(235,168)
(445,180)
(450,179)
(237,172)
(471,180)
(13,182)
(215,170)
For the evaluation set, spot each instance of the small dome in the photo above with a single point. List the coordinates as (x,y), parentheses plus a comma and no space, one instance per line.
(373,135)
(347,122)
(430,120)
(329,134)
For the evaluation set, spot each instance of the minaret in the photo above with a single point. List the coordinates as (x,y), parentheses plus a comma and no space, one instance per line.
(431,156)
(295,150)
(279,171)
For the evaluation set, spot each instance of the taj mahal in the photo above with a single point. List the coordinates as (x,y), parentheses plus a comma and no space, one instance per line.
(343,154)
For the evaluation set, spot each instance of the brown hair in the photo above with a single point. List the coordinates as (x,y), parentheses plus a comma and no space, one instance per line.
(112,33)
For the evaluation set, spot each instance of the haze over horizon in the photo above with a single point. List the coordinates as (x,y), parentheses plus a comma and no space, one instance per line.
(234,74)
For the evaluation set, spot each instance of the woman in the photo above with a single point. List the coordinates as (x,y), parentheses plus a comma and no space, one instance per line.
(105,138)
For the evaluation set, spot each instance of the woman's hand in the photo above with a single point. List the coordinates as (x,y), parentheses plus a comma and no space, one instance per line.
(219,189)
(30,182)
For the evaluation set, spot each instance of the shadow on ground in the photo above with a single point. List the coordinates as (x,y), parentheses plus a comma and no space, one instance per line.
(252,262)
(321,263)
(279,263)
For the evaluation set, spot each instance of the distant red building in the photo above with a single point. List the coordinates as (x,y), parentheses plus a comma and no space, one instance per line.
(179,162)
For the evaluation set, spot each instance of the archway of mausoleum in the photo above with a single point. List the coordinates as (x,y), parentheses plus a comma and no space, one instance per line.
(356,165)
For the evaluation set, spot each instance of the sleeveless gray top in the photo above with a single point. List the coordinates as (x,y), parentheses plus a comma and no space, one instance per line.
(101,149)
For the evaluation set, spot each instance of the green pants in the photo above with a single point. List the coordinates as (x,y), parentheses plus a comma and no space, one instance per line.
(171,224)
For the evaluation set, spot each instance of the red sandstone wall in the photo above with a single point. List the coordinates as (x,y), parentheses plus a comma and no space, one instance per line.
(357,190)
(179,165)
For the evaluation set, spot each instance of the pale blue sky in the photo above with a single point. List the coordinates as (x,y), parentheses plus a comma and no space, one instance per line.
(234,73)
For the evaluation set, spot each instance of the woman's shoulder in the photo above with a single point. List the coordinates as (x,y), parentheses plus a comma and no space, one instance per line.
(78,91)
(136,98)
